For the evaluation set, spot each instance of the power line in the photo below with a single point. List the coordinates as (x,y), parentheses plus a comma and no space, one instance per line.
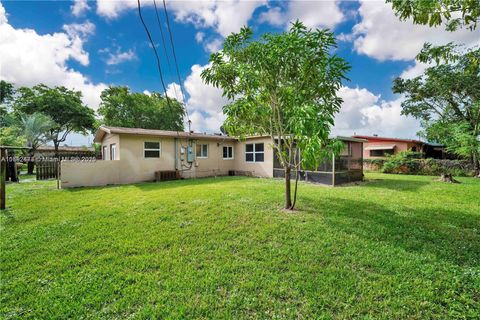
(156,53)
(175,56)
(165,47)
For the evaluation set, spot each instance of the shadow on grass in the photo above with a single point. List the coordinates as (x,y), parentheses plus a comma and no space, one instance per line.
(396,184)
(449,235)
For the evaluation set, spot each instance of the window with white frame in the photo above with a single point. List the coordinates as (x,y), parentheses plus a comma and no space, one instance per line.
(104,153)
(151,149)
(202,150)
(254,152)
(113,151)
(227,152)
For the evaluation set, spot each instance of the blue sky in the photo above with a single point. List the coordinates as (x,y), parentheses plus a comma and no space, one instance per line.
(88,45)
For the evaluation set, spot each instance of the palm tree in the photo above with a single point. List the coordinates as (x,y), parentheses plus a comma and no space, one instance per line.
(35,128)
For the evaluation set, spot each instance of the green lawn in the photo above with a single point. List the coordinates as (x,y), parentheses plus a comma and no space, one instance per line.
(394,247)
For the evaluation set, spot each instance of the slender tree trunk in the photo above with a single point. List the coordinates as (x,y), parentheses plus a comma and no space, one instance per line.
(288,196)
(297,173)
(56,145)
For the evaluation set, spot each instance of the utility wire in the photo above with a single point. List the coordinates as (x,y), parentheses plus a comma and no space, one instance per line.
(165,47)
(175,56)
(156,53)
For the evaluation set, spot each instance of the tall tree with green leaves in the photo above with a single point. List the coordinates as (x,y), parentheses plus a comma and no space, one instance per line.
(36,129)
(446,98)
(122,108)
(62,105)
(453,13)
(6,91)
(284,86)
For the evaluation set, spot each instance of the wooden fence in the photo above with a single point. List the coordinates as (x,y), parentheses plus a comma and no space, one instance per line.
(47,169)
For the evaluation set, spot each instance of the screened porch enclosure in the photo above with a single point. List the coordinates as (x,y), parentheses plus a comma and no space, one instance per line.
(344,168)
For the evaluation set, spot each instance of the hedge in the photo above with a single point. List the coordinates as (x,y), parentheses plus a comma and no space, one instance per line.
(410,163)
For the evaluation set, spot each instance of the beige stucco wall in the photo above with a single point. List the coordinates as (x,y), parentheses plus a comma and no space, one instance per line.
(86,174)
(132,167)
(214,164)
(257,169)
(107,141)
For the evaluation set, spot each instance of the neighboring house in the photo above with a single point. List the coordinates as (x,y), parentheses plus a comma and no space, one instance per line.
(133,155)
(381,147)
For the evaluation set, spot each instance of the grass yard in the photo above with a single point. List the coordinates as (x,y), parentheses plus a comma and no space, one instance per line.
(394,247)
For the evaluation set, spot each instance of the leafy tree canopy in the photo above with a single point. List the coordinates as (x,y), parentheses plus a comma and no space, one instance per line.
(122,108)
(6,91)
(63,106)
(446,98)
(282,85)
(454,13)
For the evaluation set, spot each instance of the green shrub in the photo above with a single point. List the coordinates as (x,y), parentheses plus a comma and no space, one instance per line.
(402,162)
(408,162)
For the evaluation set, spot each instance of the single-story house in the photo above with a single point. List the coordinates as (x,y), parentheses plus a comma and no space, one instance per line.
(131,155)
(379,147)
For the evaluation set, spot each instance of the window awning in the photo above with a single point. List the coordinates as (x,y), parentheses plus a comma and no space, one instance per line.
(381,147)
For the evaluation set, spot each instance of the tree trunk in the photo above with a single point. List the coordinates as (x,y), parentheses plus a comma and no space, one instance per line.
(447,177)
(288,196)
(56,145)
(296,188)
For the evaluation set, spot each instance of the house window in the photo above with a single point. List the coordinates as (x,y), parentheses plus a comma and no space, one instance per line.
(104,153)
(254,152)
(202,151)
(151,149)
(113,151)
(380,153)
(227,152)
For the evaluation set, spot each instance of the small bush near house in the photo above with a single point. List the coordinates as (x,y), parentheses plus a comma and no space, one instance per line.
(373,164)
(409,162)
(403,162)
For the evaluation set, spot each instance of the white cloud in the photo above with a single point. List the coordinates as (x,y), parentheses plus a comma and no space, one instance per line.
(414,70)
(381,35)
(119,56)
(209,122)
(112,9)
(199,36)
(28,58)
(224,16)
(363,112)
(273,16)
(314,14)
(213,46)
(3,15)
(174,91)
(79,7)
(205,102)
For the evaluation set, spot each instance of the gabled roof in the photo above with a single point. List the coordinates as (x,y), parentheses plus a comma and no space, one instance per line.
(103,130)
